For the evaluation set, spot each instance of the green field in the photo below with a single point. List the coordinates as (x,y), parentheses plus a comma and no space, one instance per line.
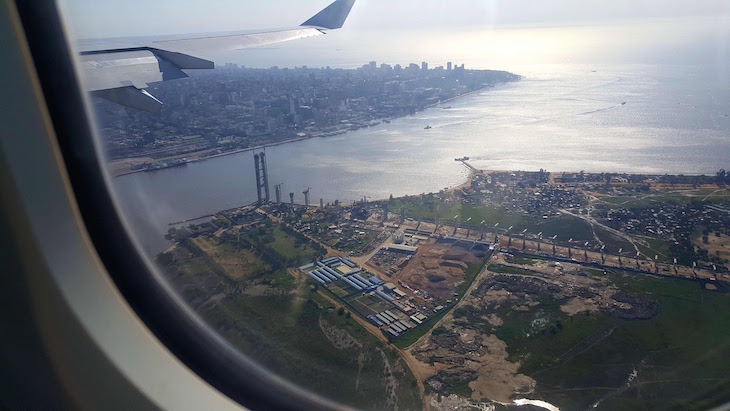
(289,247)
(680,356)
(505,269)
(277,245)
(565,227)
(426,211)
(676,197)
(284,335)
(613,242)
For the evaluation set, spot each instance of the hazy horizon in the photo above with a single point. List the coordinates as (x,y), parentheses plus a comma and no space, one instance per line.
(482,34)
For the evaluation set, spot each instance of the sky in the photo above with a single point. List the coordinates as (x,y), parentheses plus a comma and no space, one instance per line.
(113,18)
(509,31)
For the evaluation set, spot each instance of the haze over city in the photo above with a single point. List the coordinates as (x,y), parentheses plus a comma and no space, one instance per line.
(476,32)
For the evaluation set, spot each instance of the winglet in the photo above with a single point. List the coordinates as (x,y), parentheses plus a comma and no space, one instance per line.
(333,16)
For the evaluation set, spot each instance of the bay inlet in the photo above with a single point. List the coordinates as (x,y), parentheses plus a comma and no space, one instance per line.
(558,118)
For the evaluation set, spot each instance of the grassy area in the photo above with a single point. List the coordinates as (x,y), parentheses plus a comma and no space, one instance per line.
(504,269)
(593,271)
(565,227)
(287,337)
(470,274)
(237,263)
(626,202)
(585,358)
(613,242)
(427,211)
(282,279)
(676,197)
(657,246)
(527,259)
(289,247)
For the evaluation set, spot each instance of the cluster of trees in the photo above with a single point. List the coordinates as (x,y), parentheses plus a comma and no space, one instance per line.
(722,178)
(686,253)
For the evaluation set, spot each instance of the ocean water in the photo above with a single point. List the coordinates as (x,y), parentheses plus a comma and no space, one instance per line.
(612,118)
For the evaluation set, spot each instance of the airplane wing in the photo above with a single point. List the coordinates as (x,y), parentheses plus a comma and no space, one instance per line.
(120,74)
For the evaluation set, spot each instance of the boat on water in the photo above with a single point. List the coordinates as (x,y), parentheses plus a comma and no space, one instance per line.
(462,159)
(427,128)
(623,103)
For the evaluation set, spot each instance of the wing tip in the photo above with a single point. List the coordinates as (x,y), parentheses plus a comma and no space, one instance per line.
(333,16)
(133,97)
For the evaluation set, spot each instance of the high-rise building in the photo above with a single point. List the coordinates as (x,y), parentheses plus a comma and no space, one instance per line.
(292,105)
(424,66)
(448,66)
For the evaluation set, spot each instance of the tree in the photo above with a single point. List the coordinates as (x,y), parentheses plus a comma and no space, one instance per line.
(340,311)
(720,177)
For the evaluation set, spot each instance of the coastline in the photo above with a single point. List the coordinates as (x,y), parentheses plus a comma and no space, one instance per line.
(120,173)
(227,153)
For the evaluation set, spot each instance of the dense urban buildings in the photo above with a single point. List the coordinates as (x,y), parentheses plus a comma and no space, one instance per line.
(234,108)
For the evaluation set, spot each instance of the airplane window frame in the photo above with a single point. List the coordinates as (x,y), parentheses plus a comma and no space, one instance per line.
(153,301)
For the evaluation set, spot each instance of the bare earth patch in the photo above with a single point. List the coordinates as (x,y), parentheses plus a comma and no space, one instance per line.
(717,246)
(579,305)
(462,354)
(237,264)
(437,269)
(498,378)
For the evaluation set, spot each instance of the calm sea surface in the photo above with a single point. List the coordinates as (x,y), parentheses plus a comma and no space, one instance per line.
(560,118)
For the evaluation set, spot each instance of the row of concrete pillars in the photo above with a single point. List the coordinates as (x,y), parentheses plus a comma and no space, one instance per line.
(262,184)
